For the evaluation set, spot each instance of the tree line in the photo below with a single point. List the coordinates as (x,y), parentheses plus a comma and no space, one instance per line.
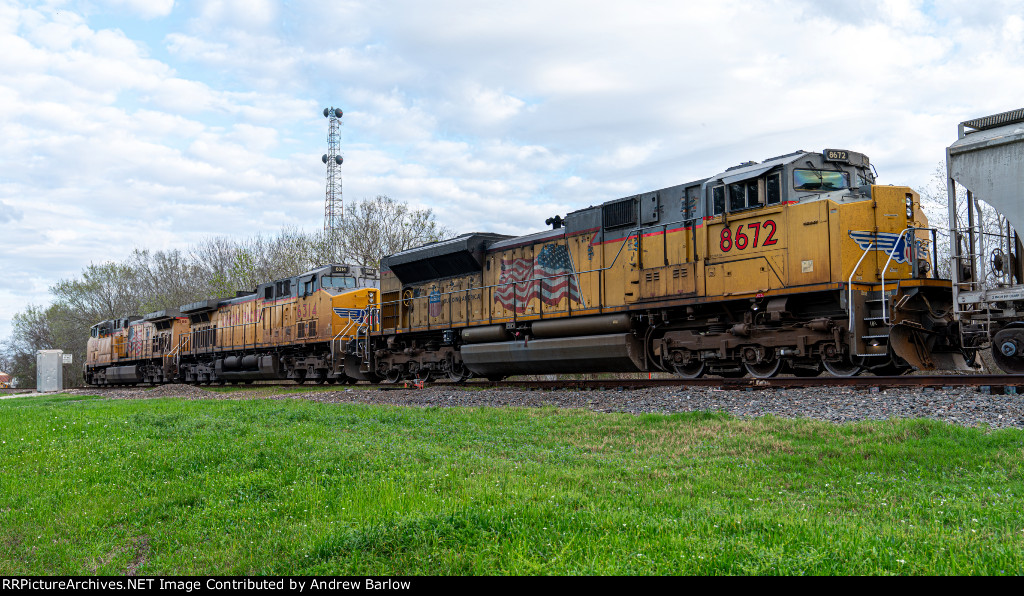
(217,267)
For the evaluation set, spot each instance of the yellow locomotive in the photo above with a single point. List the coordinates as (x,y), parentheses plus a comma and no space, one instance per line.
(295,328)
(798,263)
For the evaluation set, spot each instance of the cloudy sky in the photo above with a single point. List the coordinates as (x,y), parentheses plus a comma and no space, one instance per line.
(156,123)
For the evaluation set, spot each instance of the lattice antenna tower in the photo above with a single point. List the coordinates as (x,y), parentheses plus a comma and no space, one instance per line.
(334,208)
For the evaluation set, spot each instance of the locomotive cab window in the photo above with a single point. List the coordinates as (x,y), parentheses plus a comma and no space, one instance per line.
(718,200)
(310,286)
(773,188)
(743,195)
(690,202)
(820,180)
(338,281)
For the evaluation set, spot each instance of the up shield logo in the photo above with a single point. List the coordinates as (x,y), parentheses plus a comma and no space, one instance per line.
(434,303)
(887,242)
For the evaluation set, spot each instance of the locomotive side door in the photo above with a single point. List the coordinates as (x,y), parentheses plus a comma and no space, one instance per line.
(666,249)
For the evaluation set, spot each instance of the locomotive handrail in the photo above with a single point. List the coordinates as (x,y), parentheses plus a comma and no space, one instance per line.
(849,285)
(351,323)
(976,258)
(364,324)
(913,255)
(871,247)
(181,336)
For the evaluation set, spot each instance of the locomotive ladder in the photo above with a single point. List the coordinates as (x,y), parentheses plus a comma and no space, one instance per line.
(360,338)
(875,319)
(362,346)
(875,324)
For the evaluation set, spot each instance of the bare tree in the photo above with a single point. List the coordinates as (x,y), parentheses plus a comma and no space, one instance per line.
(217,267)
(990,225)
(39,328)
(381,226)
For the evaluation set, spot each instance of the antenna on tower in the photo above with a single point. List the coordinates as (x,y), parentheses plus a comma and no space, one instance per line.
(334,210)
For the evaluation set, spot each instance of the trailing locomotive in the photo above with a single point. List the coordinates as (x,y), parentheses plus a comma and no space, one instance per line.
(799,263)
(295,328)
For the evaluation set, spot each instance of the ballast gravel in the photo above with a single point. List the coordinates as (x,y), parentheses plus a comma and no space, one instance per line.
(966,406)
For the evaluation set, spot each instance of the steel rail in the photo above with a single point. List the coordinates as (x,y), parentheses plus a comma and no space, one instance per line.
(865,382)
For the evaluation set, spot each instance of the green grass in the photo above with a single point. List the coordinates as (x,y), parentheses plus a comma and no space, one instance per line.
(293,487)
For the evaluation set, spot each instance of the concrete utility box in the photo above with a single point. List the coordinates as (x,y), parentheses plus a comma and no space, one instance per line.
(49,370)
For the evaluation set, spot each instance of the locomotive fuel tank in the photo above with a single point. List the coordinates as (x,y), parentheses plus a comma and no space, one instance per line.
(617,352)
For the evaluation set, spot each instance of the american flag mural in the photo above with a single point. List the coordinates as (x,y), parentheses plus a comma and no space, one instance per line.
(549,277)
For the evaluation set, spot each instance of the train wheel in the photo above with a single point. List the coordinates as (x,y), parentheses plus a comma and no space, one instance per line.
(764,370)
(393,375)
(1008,350)
(690,371)
(844,368)
(458,374)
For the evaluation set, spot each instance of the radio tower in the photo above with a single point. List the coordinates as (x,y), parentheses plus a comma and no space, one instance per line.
(334,210)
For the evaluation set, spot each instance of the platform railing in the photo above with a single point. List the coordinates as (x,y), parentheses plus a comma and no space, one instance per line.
(913,262)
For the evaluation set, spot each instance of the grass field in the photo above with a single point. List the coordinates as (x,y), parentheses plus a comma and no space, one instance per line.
(294,487)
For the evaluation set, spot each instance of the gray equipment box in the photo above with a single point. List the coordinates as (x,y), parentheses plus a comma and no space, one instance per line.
(49,370)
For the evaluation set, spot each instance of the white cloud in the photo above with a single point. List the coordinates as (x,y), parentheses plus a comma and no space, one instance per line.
(490,106)
(244,14)
(207,119)
(627,156)
(147,9)
(8,214)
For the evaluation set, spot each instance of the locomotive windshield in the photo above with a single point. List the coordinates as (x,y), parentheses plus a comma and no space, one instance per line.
(338,281)
(820,180)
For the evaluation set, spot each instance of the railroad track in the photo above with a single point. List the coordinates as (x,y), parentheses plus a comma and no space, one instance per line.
(996,384)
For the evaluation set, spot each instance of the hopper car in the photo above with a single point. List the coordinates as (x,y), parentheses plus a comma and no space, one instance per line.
(985,179)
